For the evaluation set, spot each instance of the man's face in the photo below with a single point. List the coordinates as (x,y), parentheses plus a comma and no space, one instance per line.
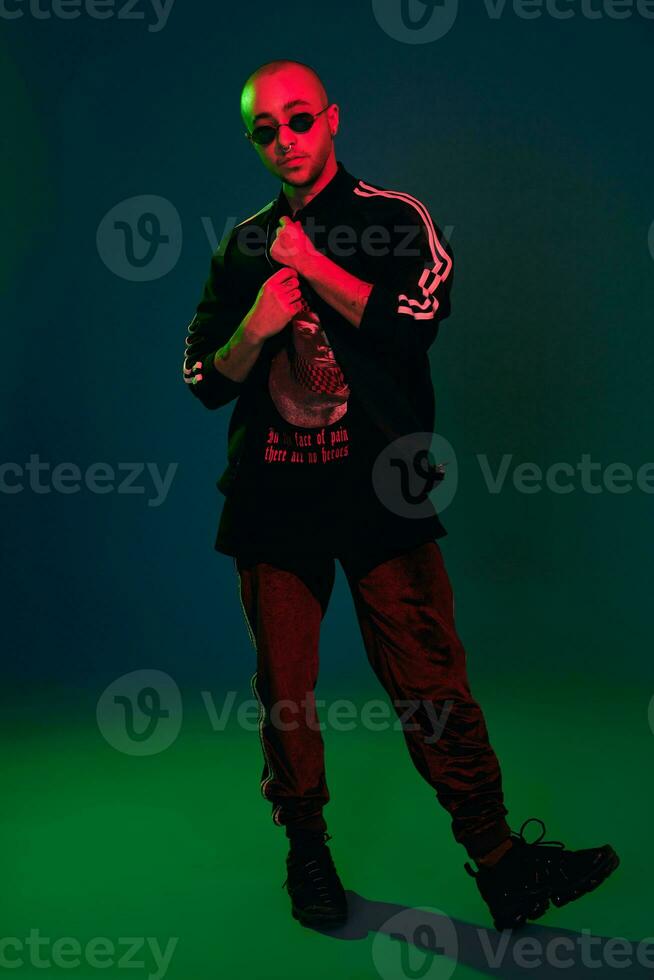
(310,340)
(267,102)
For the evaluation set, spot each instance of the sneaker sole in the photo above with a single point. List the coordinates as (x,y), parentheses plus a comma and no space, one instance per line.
(324,919)
(590,882)
(516,918)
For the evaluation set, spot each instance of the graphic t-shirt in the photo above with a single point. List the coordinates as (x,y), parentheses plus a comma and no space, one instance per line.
(304,485)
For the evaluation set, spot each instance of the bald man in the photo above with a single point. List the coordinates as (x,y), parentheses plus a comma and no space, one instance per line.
(322,340)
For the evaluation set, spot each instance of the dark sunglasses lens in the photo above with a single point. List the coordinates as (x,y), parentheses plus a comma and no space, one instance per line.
(263,135)
(301,122)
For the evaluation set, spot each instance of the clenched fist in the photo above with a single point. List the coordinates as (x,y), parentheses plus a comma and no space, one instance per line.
(277,302)
(292,246)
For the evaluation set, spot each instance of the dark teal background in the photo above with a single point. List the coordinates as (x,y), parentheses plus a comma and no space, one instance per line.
(531,143)
(529,140)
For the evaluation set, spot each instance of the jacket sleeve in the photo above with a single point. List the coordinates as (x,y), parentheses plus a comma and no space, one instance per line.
(216,318)
(412,279)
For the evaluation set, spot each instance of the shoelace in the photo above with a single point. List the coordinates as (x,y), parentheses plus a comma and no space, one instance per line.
(317,877)
(519,837)
(315,872)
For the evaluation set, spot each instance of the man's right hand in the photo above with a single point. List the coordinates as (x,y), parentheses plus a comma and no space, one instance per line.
(277,302)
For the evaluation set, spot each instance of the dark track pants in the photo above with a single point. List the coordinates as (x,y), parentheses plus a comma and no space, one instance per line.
(405,609)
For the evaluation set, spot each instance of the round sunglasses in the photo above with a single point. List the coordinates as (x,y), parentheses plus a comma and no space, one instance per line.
(300,122)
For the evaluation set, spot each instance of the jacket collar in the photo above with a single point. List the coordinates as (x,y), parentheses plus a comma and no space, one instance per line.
(337,188)
(326,202)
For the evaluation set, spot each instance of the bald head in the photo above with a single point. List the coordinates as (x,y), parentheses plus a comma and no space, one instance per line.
(301,76)
(272,95)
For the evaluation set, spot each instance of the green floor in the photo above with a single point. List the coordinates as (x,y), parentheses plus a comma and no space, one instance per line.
(179,846)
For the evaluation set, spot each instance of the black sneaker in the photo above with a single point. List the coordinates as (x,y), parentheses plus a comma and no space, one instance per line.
(525,879)
(317,895)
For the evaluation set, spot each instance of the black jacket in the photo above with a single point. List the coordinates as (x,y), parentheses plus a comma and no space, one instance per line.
(384,237)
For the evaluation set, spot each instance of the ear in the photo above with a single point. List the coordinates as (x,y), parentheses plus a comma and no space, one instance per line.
(334,118)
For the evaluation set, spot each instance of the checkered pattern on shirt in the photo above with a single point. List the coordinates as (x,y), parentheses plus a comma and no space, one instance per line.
(308,374)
